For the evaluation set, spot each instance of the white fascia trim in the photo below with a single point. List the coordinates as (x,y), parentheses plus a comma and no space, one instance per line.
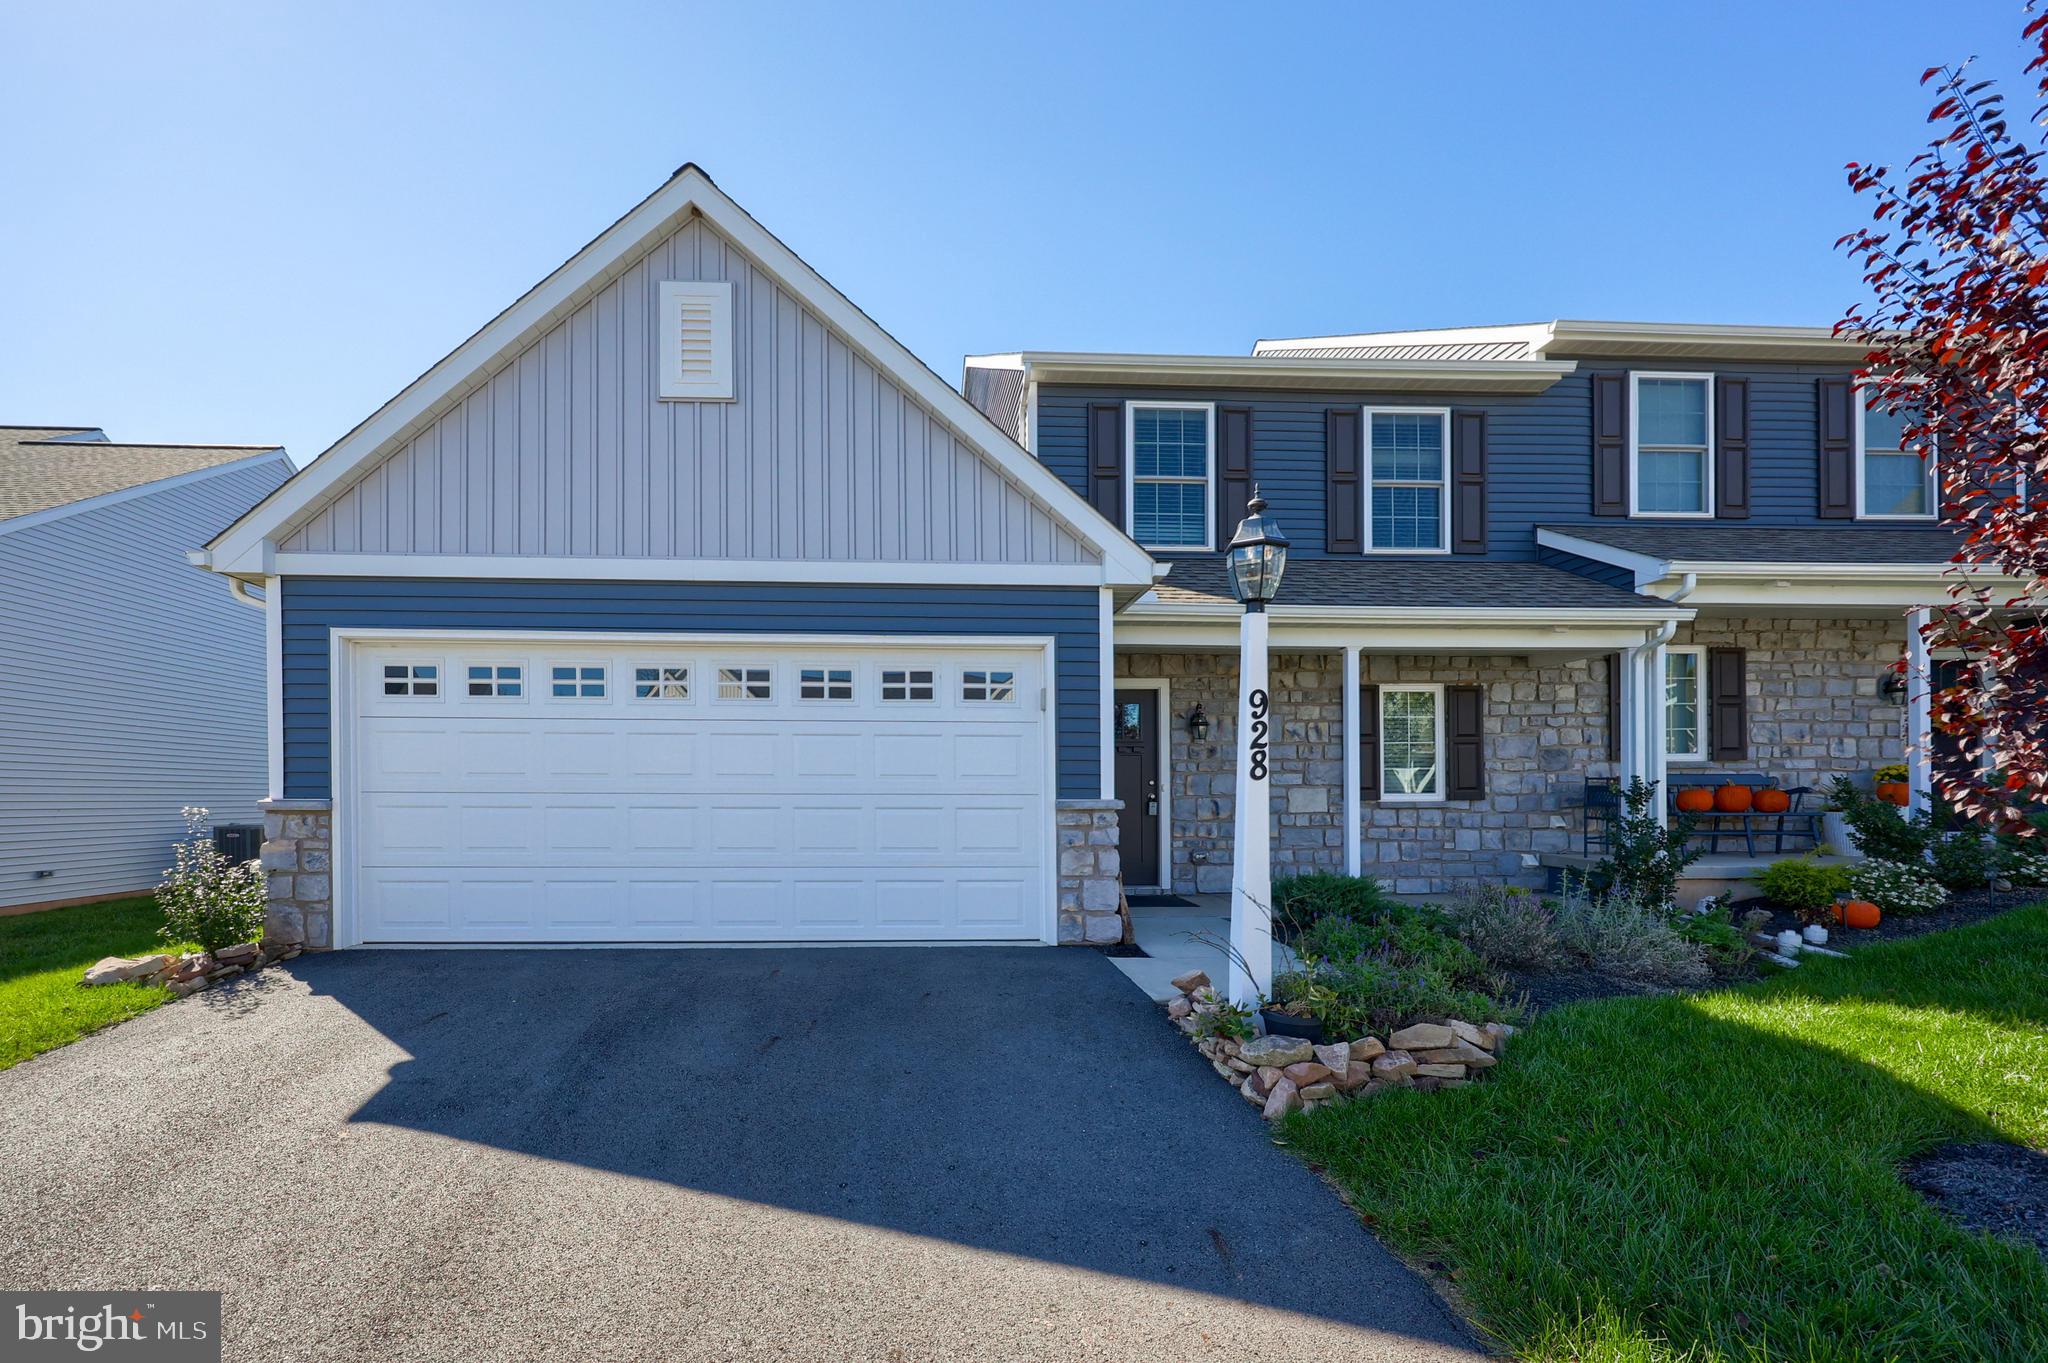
(239,547)
(535,567)
(119,495)
(1273,371)
(1704,338)
(1472,617)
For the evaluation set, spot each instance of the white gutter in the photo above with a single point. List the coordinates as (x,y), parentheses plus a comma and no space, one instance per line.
(242,594)
(1280,371)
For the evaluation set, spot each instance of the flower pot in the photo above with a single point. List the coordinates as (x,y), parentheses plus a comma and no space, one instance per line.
(1287,1024)
(1834,831)
(1733,799)
(1788,943)
(1815,935)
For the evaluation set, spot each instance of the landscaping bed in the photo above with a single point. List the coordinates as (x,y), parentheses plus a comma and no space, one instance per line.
(1717,1174)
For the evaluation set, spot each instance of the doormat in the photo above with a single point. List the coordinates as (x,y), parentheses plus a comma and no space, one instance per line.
(1124,949)
(1159,901)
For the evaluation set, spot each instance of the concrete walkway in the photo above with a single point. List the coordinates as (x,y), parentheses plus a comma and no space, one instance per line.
(950,1153)
(1168,936)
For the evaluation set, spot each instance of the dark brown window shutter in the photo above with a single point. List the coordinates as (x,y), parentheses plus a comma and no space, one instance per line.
(1837,398)
(1106,459)
(1468,482)
(1369,742)
(1614,665)
(1343,460)
(1728,704)
(1465,736)
(1731,449)
(1610,444)
(1233,469)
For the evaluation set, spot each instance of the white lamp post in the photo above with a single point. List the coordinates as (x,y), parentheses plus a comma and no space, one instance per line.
(1257,557)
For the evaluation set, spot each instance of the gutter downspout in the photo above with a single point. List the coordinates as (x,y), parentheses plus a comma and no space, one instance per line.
(241,593)
(1644,656)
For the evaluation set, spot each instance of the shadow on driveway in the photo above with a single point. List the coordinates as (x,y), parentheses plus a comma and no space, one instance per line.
(1025,1101)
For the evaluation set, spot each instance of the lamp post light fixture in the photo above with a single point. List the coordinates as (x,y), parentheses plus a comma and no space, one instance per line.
(1198,724)
(1257,558)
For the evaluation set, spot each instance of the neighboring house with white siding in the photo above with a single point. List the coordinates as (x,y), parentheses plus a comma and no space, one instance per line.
(130,684)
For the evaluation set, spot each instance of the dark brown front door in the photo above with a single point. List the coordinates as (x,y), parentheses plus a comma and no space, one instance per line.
(1137,785)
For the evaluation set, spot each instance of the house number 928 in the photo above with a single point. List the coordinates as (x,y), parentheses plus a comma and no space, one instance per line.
(1259,729)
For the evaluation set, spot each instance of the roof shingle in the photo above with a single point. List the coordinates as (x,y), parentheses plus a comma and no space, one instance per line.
(49,466)
(1435,584)
(1916,545)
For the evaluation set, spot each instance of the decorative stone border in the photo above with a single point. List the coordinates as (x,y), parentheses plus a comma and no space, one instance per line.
(1284,1074)
(194,971)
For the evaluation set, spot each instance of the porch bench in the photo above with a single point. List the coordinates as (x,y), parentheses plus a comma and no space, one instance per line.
(1715,824)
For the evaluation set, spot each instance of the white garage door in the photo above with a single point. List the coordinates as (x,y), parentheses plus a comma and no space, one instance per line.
(690,792)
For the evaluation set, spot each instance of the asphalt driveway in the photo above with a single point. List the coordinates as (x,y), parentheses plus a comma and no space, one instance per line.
(805,1154)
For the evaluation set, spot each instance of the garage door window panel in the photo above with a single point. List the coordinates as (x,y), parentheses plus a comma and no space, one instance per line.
(576,681)
(908,684)
(824,683)
(496,681)
(662,682)
(417,681)
(744,683)
(988,686)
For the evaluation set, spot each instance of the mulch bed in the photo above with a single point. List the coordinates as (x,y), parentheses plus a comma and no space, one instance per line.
(1969,907)
(1541,991)
(1992,1187)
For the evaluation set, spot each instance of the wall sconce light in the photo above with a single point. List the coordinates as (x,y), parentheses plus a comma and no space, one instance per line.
(1198,724)
(1893,687)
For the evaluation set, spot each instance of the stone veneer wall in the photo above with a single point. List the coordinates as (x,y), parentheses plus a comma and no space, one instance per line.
(1091,873)
(1546,733)
(298,859)
(1815,707)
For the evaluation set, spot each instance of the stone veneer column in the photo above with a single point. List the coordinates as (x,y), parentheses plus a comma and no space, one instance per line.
(298,860)
(1091,873)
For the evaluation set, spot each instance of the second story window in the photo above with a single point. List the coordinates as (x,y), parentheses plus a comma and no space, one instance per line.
(1892,482)
(1410,497)
(1170,452)
(1671,447)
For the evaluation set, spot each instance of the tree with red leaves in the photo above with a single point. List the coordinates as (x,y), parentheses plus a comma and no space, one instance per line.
(1958,347)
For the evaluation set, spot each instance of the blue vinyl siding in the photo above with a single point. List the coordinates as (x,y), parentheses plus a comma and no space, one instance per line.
(315,605)
(1539,447)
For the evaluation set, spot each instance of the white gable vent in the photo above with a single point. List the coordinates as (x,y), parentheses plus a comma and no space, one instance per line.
(696,340)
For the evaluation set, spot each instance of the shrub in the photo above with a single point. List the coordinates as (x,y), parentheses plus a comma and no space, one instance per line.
(1964,860)
(1353,998)
(1299,902)
(1801,885)
(1648,857)
(206,898)
(2023,861)
(1625,938)
(1878,828)
(1897,888)
(1507,926)
(1727,946)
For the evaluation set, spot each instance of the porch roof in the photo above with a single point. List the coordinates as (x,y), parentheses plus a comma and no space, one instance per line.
(1905,545)
(1440,583)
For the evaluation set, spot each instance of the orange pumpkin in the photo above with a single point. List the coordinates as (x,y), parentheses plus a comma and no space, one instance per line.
(1857,913)
(1771,800)
(1695,800)
(1732,799)
(1898,792)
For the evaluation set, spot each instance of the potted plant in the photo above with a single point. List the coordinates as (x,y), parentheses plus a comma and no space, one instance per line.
(1893,783)
(1298,998)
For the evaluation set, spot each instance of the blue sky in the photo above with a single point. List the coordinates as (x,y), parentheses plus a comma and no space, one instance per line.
(257,222)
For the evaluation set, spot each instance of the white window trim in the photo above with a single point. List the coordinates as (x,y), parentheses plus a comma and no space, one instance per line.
(524,681)
(1698,653)
(608,680)
(718,683)
(717,384)
(1388,796)
(690,683)
(1635,481)
(1368,482)
(1208,410)
(1933,512)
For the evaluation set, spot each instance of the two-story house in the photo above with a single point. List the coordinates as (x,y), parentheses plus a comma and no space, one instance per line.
(1524,557)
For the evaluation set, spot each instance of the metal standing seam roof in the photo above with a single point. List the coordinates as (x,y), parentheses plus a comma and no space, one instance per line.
(49,466)
(1431,584)
(1914,545)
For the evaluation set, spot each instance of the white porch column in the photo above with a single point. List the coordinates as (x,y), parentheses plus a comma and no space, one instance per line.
(1352,775)
(1106,646)
(1630,719)
(1251,878)
(1656,767)
(1919,715)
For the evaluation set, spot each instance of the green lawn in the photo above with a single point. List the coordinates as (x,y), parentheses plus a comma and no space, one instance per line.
(42,956)
(1713,1177)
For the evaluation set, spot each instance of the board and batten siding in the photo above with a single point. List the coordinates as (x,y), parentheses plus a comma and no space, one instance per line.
(314,606)
(131,685)
(567,450)
(1539,447)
